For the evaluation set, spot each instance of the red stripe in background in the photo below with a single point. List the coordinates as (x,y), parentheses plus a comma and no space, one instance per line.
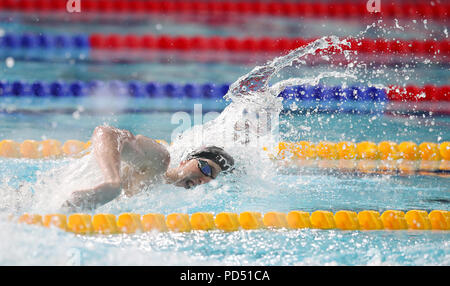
(235,44)
(343,9)
(419,93)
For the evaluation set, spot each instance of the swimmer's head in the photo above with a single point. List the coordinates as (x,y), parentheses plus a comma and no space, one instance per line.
(203,165)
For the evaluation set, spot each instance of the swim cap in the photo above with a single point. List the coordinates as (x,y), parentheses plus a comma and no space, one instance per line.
(215,154)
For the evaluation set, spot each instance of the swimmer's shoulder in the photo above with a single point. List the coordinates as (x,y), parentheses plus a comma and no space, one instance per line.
(155,152)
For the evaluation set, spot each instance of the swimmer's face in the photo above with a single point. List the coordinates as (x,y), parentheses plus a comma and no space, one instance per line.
(191,175)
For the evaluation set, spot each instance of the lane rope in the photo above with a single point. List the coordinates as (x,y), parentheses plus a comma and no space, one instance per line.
(365,156)
(233,44)
(410,93)
(249,220)
(341,10)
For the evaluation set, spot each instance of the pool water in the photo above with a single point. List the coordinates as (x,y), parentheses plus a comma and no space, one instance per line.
(265,189)
(273,192)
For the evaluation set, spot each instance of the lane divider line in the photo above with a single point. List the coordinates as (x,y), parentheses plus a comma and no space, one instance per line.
(365,156)
(347,220)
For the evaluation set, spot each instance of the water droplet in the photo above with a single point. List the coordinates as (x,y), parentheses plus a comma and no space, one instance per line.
(9,62)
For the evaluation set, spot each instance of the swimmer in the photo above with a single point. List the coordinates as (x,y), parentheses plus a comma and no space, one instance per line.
(147,163)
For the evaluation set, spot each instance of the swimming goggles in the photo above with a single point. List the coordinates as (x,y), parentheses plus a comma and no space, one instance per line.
(205,168)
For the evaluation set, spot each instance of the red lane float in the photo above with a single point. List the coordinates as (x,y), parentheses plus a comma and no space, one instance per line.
(416,94)
(344,9)
(264,44)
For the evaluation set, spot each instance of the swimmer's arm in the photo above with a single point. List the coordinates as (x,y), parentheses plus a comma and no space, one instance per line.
(108,143)
(110,146)
(92,198)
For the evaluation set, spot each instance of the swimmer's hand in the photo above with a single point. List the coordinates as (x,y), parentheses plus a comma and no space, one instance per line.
(92,198)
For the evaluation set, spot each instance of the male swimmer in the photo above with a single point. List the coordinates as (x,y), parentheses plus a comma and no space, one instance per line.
(148,163)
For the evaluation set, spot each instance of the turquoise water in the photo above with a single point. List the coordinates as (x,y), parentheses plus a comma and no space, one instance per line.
(273,190)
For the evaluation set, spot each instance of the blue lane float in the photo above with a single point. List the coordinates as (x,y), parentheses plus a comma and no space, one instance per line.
(42,47)
(188,90)
(323,93)
(44,41)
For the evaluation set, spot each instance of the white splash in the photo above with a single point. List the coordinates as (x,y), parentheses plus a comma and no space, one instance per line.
(250,121)
(398,26)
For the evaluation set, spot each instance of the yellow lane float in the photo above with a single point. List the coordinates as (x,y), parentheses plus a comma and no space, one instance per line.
(365,156)
(366,220)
